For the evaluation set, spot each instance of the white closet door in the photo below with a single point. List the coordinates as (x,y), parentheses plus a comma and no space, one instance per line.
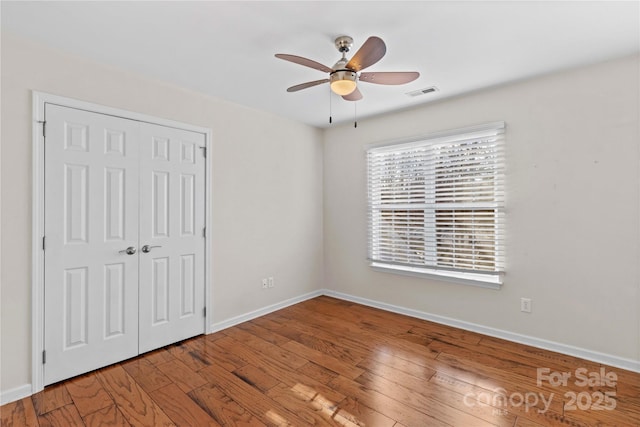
(91,217)
(172,172)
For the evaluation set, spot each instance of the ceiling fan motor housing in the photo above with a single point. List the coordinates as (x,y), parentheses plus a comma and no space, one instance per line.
(344,74)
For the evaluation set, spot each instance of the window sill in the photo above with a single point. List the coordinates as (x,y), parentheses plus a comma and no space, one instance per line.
(481,280)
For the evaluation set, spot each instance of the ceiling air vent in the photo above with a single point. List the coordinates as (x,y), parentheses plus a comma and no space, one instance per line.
(421,91)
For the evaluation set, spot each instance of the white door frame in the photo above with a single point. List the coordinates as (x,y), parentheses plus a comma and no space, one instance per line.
(37,252)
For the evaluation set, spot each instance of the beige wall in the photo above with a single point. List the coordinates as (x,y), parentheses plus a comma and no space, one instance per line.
(572,148)
(263,165)
(573,169)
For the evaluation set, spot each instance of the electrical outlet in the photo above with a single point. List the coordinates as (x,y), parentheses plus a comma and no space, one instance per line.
(525,305)
(265,283)
(271,282)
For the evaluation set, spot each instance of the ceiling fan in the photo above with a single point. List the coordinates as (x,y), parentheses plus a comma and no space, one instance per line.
(345,74)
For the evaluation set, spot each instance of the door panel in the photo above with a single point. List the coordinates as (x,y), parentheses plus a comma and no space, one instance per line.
(171,220)
(91,214)
(112,184)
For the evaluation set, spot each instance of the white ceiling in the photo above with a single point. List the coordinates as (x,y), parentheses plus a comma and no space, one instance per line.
(226,49)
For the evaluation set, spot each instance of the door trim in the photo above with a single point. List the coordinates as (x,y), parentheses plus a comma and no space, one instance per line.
(39,99)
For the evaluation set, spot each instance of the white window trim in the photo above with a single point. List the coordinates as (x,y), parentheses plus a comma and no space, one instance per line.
(489,281)
(436,137)
(484,280)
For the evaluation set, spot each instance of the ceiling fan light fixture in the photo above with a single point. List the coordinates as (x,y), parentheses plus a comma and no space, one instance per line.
(345,75)
(343,82)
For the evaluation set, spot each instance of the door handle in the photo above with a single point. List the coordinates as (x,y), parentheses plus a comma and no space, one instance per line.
(146,248)
(129,251)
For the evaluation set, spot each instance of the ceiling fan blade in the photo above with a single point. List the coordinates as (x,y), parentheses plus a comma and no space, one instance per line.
(369,53)
(306,85)
(356,95)
(304,61)
(389,78)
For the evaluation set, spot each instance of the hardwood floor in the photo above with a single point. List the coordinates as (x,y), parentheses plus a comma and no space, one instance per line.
(331,362)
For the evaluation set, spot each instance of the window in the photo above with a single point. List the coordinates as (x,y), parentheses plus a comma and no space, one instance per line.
(436,205)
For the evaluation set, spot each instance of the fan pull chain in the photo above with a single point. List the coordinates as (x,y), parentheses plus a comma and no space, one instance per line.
(330,119)
(355,114)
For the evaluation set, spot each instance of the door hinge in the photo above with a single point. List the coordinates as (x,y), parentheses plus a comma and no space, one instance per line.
(44,127)
(204,312)
(204,232)
(204,151)
(44,239)
(44,356)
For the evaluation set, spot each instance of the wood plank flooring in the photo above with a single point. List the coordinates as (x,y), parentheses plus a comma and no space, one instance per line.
(335,363)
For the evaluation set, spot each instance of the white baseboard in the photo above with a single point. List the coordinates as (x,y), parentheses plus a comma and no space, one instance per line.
(594,356)
(16,393)
(215,327)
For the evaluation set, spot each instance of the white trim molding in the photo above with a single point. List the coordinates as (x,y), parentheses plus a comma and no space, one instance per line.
(236,320)
(594,356)
(37,254)
(16,393)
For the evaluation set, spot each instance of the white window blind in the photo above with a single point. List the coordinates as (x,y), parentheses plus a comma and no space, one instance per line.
(436,206)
